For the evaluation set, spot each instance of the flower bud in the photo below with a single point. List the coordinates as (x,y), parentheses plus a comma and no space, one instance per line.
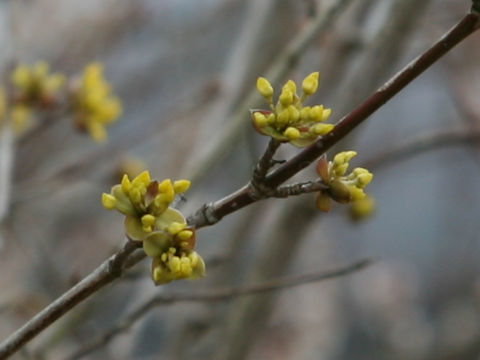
(310,84)
(260,119)
(322,129)
(283,117)
(326,114)
(108,201)
(264,87)
(363,208)
(290,84)
(291,133)
(180,186)
(286,97)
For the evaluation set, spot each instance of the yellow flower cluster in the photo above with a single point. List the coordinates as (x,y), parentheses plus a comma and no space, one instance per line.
(94,104)
(36,88)
(162,229)
(289,120)
(341,187)
(33,87)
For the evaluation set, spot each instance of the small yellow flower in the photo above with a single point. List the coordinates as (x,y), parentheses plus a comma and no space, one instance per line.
(169,267)
(289,120)
(94,104)
(341,187)
(162,229)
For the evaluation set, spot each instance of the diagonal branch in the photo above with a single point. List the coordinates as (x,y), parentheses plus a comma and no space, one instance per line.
(213,212)
(108,271)
(214,295)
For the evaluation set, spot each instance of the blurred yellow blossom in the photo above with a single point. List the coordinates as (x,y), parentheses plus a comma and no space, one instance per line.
(18,116)
(162,229)
(363,208)
(94,104)
(21,118)
(341,187)
(130,165)
(289,120)
(35,85)
(3,106)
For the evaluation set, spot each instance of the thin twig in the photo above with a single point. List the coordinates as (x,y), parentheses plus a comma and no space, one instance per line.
(213,212)
(421,144)
(108,271)
(264,164)
(299,188)
(214,295)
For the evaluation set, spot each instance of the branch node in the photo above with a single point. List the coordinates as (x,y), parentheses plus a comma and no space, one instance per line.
(265,162)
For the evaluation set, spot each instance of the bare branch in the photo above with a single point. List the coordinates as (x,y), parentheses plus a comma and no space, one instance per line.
(214,295)
(108,271)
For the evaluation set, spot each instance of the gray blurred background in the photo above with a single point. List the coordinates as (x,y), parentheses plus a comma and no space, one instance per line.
(185,71)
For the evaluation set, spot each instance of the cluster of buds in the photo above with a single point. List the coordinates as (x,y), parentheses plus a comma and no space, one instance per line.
(94,104)
(163,230)
(289,120)
(35,88)
(342,187)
